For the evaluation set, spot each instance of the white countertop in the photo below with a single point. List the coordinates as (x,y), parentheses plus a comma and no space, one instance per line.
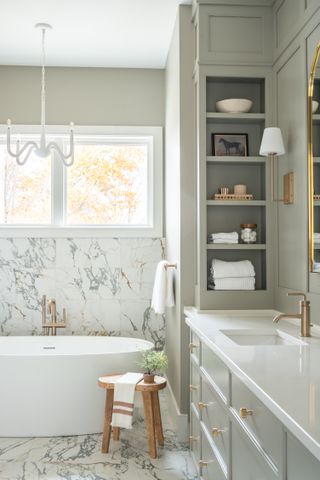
(285,378)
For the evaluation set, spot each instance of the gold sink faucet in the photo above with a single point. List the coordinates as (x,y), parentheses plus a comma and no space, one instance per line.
(49,307)
(303,315)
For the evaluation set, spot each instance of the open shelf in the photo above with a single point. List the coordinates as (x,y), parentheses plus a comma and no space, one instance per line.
(316,160)
(236,246)
(257,257)
(235,160)
(237,203)
(316,118)
(236,117)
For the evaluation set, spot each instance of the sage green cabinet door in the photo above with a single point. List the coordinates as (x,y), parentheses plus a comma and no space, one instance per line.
(247,463)
(301,464)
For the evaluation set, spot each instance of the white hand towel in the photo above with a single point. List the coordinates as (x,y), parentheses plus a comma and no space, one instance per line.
(239,283)
(123,400)
(222,269)
(230,235)
(162,295)
(225,240)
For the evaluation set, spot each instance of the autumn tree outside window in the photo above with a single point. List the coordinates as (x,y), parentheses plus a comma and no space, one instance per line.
(114,186)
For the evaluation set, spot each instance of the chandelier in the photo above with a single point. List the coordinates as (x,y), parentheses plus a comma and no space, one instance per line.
(43,149)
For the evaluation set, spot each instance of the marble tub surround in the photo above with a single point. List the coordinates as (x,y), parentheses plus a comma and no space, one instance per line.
(105,284)
(80,457)
(286,378)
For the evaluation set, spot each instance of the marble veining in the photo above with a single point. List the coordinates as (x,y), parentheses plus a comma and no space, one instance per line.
(105,284)
(79,457)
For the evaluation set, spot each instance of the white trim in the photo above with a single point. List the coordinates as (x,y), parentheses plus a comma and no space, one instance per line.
(155,184)
(180,420)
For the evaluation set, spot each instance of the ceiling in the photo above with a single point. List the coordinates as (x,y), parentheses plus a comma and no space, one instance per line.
(88,33)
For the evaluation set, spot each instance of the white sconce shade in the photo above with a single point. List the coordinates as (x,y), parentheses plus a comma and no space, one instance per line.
(272,142)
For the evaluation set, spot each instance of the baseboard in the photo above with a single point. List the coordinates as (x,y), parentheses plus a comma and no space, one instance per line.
(180,420)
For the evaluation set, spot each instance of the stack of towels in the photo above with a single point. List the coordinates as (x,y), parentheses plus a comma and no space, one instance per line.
(316,237)
(223,237)
(232,275)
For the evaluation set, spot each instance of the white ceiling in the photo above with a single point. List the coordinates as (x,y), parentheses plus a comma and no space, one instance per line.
(88,33)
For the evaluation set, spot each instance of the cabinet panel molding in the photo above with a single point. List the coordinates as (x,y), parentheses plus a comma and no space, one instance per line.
(237,35)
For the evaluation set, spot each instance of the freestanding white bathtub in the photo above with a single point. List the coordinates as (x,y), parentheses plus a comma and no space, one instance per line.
(49,384)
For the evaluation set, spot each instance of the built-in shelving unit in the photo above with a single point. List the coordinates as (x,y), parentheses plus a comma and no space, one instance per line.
(216,171)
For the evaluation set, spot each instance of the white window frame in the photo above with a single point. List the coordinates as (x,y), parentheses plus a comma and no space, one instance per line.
(153,136)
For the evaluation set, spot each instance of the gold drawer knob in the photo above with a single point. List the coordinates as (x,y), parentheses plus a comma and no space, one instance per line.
(203,405)
(192,346)
(194,439)
(216,431)
(245,412)
(193,387)
(203,463)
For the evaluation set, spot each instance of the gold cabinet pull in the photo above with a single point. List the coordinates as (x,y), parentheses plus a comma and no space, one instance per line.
(216,431)
(193,387)
(245,412)
(194,439)
(192,346)
(203,405)
(203,463)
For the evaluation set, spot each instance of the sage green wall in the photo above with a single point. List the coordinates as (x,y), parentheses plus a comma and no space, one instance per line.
(180,198)
(87,96)
(295,40)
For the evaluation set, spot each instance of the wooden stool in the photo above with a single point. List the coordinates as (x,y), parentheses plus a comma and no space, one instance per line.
(151,411)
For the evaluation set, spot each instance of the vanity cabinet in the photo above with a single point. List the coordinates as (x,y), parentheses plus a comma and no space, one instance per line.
(233,435)
(301,461)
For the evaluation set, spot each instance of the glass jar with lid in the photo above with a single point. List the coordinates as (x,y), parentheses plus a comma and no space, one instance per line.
(248,232)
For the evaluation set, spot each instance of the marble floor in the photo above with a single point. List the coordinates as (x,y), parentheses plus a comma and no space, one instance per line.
(79,457)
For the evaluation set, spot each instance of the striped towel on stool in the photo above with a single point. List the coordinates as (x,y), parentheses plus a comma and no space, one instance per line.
(124,390)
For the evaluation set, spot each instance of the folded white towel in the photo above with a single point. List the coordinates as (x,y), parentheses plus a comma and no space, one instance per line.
(316,237)
(316,267)
(162,295)
(224,235)
(123,400)
(239,283)
(225,240)
(222,269)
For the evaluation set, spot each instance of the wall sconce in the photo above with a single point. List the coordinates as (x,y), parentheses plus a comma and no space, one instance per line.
(272,146)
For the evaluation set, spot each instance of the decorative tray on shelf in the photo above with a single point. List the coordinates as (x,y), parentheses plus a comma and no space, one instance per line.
(316,197)
(231,196)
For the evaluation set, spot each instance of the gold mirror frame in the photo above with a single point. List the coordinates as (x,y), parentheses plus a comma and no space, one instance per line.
(310,158)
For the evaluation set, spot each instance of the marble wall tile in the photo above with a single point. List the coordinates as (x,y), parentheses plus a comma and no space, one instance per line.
(105,284)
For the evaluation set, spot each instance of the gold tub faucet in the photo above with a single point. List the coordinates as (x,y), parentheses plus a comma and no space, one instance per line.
(303,315)
(49,307)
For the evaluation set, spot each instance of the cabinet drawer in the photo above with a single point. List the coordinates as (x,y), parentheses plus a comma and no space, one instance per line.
(194,346)
(216,370)
(215,418)
(194,385)
(259,421)
(247,464)
(209,466)
(194,437)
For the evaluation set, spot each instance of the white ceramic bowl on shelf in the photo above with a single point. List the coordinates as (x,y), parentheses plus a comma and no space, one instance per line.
(234,105)
(315,106)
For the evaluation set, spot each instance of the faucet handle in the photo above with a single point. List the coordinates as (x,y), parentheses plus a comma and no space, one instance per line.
(297,294)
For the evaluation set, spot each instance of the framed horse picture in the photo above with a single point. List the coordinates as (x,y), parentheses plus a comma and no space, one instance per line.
(230,144)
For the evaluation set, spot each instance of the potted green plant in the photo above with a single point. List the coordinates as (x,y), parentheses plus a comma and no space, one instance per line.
(152,362)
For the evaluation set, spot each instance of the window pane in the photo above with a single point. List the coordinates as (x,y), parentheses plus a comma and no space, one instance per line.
(25,191)
(108,185)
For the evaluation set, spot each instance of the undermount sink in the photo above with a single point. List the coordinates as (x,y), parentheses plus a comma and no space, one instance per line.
(260,337)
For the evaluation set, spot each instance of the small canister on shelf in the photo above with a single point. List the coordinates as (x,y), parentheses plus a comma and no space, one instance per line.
(248,232)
